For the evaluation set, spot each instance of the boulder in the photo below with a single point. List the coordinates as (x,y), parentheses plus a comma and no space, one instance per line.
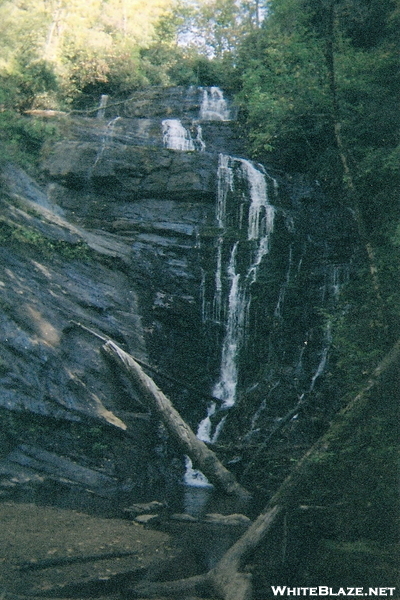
(145,508)
(234,519)
(147,519)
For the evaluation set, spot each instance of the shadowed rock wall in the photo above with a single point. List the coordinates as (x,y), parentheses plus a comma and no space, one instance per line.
(121,237)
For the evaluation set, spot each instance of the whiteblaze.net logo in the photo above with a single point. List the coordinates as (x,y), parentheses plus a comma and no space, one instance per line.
(323,590)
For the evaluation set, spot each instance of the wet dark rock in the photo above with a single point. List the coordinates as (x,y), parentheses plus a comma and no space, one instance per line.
(43,355)
(60,468)
(121,237)
(133,172)
(184,518)
(145,508)
(159,102)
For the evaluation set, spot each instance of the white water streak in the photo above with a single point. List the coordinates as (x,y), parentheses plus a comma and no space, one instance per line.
(260,224)
(214,107)
(101,111)
(193,477)
(225,388)
(259,227)
(324,356)
(217,303)
(176,137)
(106,140)
(225,185)
(199,142)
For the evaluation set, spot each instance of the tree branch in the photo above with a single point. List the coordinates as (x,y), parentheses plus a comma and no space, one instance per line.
(202,457)
(226,579)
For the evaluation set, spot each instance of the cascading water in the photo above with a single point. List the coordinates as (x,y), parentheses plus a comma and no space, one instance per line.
(257,228)
(214,106)
(176,137)
(338,274)
(199,142)
(250,223)
(106,140)
(225,388)
(101,111)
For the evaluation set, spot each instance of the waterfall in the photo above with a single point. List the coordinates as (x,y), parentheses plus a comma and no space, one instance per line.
(105,141)
(225,185)
(214,106)
(176,137)
(199,142)
(340,275)
(101,111)
(261,216)
(217,302)
(324,355)
(238,179)
(193,477)
(258,229)
(225,388)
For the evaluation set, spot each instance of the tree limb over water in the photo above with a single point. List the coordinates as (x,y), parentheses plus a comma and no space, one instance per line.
(226,580)
(202,457)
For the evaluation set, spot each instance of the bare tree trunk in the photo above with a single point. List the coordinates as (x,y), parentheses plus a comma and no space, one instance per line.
(54,32)
(226,578)
(202,457)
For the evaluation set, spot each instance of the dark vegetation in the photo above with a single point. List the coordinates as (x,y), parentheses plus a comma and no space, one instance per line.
(316,83)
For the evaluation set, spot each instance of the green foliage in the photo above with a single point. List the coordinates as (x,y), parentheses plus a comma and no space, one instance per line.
(28,86)
(307,74)
(32,85)
(287,93)
(286,99)
(94,74)
(26,237)
(21,138)
(361,472)
(218,26)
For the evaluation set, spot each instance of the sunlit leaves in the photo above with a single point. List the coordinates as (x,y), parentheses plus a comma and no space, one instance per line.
(93,35)
(217,27)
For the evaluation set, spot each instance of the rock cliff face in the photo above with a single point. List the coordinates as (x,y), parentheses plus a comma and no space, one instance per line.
(124,237)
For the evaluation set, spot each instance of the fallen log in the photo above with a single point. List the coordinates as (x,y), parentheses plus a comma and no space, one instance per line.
(61,561)
(46,113)
(180,382)
(85,587)
(202,457)
(226,579)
